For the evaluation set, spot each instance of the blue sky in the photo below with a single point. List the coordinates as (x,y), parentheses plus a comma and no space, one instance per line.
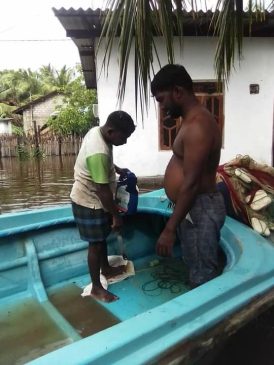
(22,21)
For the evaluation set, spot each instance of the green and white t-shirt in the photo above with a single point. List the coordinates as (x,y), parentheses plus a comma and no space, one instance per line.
(94,165)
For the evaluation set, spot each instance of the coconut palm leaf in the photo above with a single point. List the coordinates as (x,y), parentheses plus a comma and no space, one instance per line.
(228,23)
(228,26)
(136,23)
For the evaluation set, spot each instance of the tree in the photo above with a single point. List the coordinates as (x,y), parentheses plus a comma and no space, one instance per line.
(18,87)
(76,115)
(6,110)
(52,78)
(136,22)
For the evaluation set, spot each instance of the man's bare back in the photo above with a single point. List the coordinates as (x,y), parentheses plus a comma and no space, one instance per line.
(200,119)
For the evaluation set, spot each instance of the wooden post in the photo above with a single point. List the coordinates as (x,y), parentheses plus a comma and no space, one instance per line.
(39,134)
(36,141)
(59,145)
(35,135)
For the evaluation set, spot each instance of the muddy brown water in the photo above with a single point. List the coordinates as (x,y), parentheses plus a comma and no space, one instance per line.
(28,332)
(35,184)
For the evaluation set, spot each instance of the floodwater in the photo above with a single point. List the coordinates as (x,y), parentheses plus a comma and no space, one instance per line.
(35,183)
(40,183)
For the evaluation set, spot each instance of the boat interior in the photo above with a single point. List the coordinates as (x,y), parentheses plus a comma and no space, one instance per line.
(43,272)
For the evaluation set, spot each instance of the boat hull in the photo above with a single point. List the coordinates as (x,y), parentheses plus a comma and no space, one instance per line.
(42,254)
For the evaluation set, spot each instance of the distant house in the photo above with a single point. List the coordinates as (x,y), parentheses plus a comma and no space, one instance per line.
(243,108)
(5,126)
(39,110)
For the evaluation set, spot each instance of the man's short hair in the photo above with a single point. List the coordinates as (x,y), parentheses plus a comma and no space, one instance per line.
(121,121)
(170,76)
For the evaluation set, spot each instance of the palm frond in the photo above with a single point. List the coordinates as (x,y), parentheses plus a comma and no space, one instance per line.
(143,53)
(270,6)
(228,27)
(111,23)
(137,22)
(228,23)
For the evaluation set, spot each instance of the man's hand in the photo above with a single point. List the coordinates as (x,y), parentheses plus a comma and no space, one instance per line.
(121,171)
(165,243)
(117,223)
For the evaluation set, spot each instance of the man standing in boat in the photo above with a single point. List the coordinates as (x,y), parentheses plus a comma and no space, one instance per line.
(92,195)
(190,177)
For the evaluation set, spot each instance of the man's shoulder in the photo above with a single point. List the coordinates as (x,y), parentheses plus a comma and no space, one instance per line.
(95,143)
(200,114)
(93,132)
(202,119)
(93,136)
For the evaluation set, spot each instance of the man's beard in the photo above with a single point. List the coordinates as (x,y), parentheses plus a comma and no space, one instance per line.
(174,112)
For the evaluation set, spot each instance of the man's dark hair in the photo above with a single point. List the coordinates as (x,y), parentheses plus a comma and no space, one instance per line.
(170,76)
(121,121)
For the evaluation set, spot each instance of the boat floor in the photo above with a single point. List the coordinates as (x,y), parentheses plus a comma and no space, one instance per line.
(28,325)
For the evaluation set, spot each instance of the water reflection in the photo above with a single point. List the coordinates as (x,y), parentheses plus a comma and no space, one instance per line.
(35,183)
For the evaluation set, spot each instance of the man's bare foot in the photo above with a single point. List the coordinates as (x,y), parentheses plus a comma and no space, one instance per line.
(103,295)
(111,271)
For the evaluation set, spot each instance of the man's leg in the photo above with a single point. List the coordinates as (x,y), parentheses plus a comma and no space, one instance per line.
(188,235)
(202,238)
(107,270)
(94,225)
(214,213)
(95,252)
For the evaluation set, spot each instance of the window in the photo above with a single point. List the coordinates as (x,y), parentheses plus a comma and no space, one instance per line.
(208,94)
(168,130)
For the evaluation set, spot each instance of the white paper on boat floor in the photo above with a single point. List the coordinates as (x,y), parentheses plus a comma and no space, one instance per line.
(114,260)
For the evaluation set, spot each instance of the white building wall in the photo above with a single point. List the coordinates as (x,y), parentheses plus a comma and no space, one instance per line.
(248,118)
(5,127)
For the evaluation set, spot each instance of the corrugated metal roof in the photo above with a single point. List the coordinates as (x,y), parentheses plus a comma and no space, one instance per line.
(83,26)
(82,23)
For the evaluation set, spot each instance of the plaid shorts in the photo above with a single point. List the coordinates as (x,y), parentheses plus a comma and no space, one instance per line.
(94,225)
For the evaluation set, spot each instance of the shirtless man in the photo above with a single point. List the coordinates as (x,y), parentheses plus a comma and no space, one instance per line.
(190,177)
(93,205)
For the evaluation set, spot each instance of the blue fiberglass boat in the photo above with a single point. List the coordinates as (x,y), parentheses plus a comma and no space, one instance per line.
(158,319)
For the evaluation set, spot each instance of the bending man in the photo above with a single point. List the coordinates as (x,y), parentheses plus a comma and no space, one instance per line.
(92,195)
